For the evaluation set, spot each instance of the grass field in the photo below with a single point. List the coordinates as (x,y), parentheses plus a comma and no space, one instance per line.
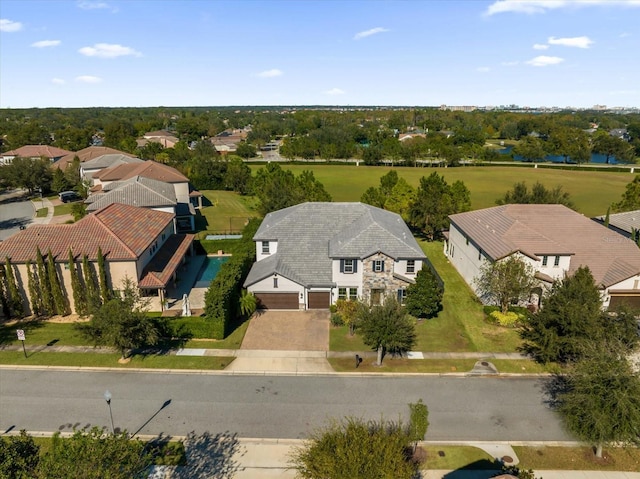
(578,458)
(224,212)
(591,191)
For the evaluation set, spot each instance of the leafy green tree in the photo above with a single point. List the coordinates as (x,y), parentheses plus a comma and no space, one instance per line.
(435,201)
(630,198)
(388,181)
(122,322)
(3,293)
(418,422)
(424,297)
(570,316)
(28,173)
(246,150)
(248,303)
(60,304)
(44,286)
(386,328)
(601,404)
(238,176)
(59,181)
(94,454)
(79,294)
(400,198)
(19,456)
(461,197)
(539,194)
(14,298)
(37,308)
(91,285)
(530,149)
(610,146)
(354,449)
(103,283)
(373,196)
(309,188)
(348,311)
(506,281)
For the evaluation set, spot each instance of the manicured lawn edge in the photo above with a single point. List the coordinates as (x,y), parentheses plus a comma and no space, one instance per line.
(577,458)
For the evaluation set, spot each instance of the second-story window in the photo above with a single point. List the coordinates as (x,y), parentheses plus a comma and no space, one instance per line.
(545,260)
(348,266)
(265,247)
(556,261)
(411,266)
(378,266)
(275,282)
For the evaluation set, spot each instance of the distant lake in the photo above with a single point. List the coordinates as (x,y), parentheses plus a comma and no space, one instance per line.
(595,157)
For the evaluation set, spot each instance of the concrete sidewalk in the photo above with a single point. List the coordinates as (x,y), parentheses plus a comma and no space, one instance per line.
(269,458)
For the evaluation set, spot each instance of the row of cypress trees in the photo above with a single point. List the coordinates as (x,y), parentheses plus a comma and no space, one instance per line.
(45,288)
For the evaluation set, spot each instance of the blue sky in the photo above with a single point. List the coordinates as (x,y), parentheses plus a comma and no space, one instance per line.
(415,53)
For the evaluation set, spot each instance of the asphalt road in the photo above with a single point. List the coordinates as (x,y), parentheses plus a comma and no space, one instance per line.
(460,408)
(14,212)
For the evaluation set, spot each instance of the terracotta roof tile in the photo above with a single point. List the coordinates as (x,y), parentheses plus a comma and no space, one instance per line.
(123,232)
(32,151)
(148,169)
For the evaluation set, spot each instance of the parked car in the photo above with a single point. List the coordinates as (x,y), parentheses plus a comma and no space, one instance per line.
(69,196)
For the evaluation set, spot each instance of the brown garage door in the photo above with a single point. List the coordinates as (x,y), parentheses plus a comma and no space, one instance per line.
(319,300)
(277,300)
(631,300)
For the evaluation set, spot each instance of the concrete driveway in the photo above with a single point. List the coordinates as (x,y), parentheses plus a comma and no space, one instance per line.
(288,331)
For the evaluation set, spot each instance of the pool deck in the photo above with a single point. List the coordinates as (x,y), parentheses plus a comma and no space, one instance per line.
(187,276)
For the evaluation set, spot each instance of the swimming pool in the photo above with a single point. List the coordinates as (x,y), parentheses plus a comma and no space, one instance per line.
(210,269)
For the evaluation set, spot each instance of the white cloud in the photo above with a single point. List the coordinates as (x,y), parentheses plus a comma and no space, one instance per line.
(335,92)
(368,33)
(58,81)
(542,6)
(89,5)
(274,72)
(540,46)
(577,42)
(7,25)
(46,43)
(88,79)
(543,61)
(483,69)
(108,50)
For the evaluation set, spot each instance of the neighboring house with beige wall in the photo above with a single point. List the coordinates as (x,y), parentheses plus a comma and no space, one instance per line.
(554,240)
(52,153)
(136,243)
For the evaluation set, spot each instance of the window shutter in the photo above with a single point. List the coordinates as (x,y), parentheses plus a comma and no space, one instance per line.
(382,266)
(355,265)
(342,266)
(399,296)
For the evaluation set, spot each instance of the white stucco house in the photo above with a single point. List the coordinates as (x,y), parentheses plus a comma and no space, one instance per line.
(310,255)
(554,240)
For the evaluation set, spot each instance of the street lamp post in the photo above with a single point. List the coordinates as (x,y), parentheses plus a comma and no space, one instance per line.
(107,397)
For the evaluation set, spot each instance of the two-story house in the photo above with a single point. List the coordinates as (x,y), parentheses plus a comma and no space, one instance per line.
(137,243)
(310,255)
(554,240)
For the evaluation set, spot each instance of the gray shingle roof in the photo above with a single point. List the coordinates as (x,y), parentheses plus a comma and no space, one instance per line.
(537,230)
(623,221)
(310,235)
(137,191)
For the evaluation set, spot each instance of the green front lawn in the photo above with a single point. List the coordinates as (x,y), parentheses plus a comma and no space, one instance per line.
(457,457)
(43,332)
(152,361)
(578,458)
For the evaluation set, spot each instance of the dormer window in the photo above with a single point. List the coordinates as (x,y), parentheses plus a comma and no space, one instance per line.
(265,247)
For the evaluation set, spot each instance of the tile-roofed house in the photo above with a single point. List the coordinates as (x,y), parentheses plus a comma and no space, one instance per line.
(312,254)
(34,151)
(130,239)
(165,138)
(627,223)
(87,154)
(89,169)
(153,170)
(553,239)
(144,193)
(137,191)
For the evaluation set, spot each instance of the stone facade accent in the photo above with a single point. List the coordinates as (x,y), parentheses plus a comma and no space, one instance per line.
(384,280)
